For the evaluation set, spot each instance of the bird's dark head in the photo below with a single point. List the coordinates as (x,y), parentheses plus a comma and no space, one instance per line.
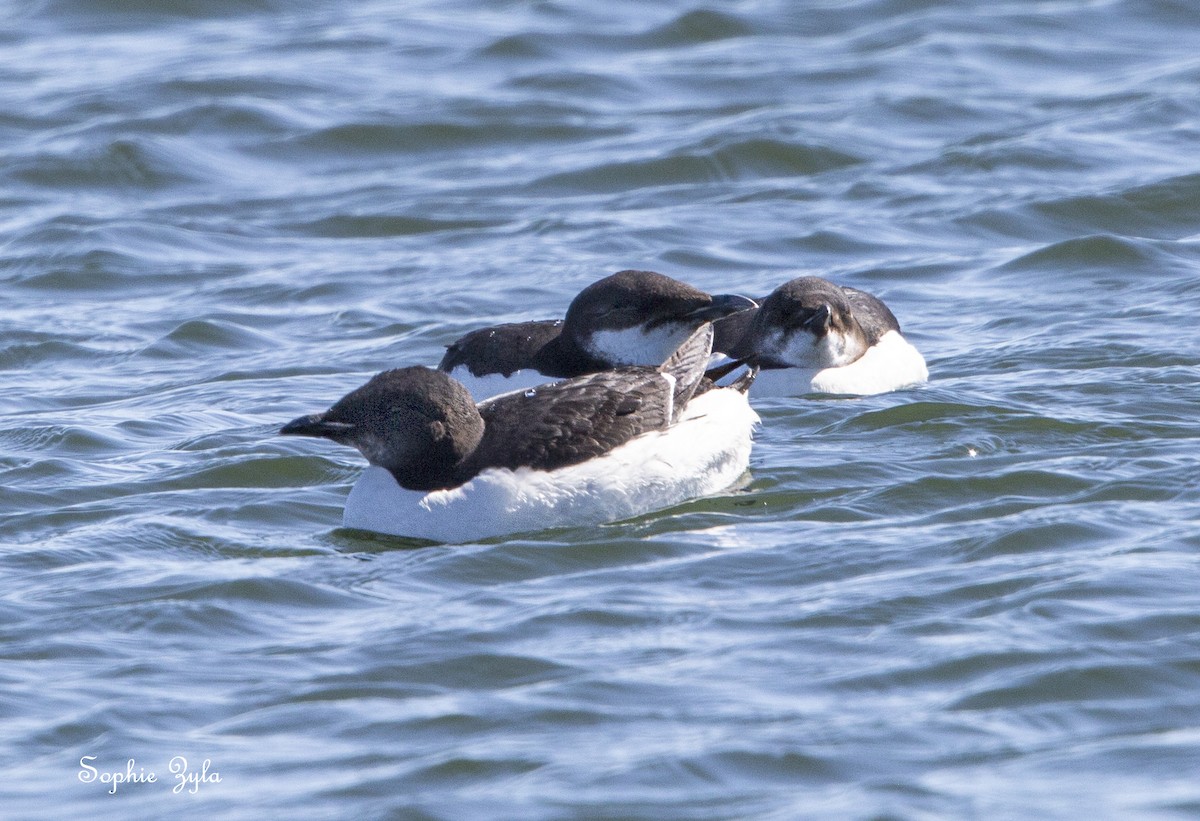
(642,317)
(807,322)
(416,422)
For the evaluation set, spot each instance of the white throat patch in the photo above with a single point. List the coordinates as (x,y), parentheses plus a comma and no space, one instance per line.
(637,346)
(803,350)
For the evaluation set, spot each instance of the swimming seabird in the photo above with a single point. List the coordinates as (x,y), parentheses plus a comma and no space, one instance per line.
(596,448)
(813,336)
(629,318)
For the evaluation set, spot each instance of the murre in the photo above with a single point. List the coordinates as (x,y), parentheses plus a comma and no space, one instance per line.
(629,318)
(813,336)
(596,448)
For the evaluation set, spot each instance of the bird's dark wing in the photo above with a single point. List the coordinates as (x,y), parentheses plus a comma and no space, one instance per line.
(875,317)
(502,349)
(568,422)
(686,366)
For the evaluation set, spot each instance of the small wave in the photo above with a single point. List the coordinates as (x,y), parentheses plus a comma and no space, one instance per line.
(579,84)
(126,163)
(745,160)
(1034,536)
(463,771)
(523,46)
(206,336)
(1074,683)
(271,590)
(1099,251)
(238,120)
(762,766)
(695,27)
(112,14)
(1168,209)
(974,497)
(698,26)
(384,225)
(39,353)
(479,128)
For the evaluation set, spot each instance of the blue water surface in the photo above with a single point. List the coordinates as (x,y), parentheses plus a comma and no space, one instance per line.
(977,599)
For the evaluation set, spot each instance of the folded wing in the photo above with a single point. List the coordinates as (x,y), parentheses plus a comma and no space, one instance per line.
(565,423)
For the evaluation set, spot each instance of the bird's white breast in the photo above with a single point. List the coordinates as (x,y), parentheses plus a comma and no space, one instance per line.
(890,364)
(705,452)
(637,345)
(803,350)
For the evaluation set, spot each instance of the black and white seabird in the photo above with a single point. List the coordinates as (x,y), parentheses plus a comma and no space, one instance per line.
(813,336)
(629,318)
(595,448)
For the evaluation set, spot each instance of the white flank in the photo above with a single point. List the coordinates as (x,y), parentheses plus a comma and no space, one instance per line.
(888,365)
(636,346)
(485,387)
(705,452)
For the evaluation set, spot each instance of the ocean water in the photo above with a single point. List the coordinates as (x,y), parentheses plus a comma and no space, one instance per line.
(978,599)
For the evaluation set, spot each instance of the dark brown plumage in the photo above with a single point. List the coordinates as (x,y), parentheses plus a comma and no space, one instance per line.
(423,427)
(560,348)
